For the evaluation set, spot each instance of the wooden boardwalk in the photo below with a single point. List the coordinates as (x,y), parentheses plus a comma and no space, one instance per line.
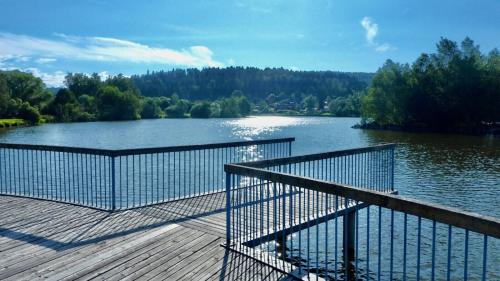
(179,240)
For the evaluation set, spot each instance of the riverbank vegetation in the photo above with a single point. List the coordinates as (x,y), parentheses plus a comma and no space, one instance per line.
(11,122)
(212,93)
(456,89)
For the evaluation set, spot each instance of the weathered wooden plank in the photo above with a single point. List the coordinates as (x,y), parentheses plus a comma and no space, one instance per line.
(164,259)
(83,243)
(81,267)
(139,254)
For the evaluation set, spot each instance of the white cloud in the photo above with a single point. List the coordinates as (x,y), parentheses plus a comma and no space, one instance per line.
(45,60)
(103,49)
(104,75)
(383,47)
(371,31)
(55,79)
(231,61)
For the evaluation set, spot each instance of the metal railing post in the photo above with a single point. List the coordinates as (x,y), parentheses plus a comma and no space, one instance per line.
(113,184)
(392,169)
(228,209)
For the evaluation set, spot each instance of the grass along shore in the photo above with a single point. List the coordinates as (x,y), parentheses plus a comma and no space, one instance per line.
(12,122)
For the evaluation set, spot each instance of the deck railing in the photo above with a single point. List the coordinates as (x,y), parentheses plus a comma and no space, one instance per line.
(124,179)
(335,225)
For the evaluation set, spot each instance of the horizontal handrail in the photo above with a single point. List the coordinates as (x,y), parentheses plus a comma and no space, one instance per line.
(55,148)
(467,220)
(136,151)
(266,163)
(124,152)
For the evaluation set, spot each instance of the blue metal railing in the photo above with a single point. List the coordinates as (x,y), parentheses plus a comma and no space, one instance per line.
(323,225)
(124,179)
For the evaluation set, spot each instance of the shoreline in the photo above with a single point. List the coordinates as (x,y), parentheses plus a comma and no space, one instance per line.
(485,131)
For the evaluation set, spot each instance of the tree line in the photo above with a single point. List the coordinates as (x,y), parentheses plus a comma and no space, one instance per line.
(456,88)
(90,98)
(215,83)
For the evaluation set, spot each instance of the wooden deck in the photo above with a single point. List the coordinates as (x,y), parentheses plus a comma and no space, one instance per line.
(173,241)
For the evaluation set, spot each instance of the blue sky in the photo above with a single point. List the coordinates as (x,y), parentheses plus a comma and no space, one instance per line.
(50,38)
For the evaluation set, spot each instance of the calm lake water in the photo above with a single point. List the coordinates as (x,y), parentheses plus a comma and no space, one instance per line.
(454,170)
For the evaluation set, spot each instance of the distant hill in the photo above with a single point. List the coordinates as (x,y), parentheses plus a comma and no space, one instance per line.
(255,83)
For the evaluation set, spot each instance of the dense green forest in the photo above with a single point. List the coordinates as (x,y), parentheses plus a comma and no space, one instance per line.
(455,89)
(89,98)
(257,84)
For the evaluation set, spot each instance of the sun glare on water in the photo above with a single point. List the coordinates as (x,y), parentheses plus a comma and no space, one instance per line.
(250,127)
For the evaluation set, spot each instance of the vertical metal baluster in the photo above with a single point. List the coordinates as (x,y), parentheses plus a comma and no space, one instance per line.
(18,169)
(127,190)
(146,178)
(152,178)
(87,188)
(74,175)
(95,180)
(448,268)
(121,184)
(24,170)
(168,176)
(228,209)
(163,177)
(433,250)
(367,243)
(134,198)
(32,161)
(466,254)
(485,256)
(67,185)
(392,247)
(179,169)
(184,173)
(205,187)
(12,187)
(99,181)
(336,235)
(139,191)
(379,261)
(326,235)
(51,177)
(174,176)
(2,175)
(404,244)
(214,173)
(60,176)
(198,161)
(356,239)
(79,177)
(189,186)
(419,231)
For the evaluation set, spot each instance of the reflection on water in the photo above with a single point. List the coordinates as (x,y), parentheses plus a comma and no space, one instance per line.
(461,171)
(250,127)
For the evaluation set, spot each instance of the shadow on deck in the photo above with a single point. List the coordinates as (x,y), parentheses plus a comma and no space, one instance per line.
(176,240)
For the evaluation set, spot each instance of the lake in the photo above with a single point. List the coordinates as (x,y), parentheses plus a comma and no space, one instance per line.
(454,170)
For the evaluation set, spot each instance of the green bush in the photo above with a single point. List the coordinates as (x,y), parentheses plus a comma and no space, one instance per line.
(151,109)
(116,105)
(201,110)
(29,113)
